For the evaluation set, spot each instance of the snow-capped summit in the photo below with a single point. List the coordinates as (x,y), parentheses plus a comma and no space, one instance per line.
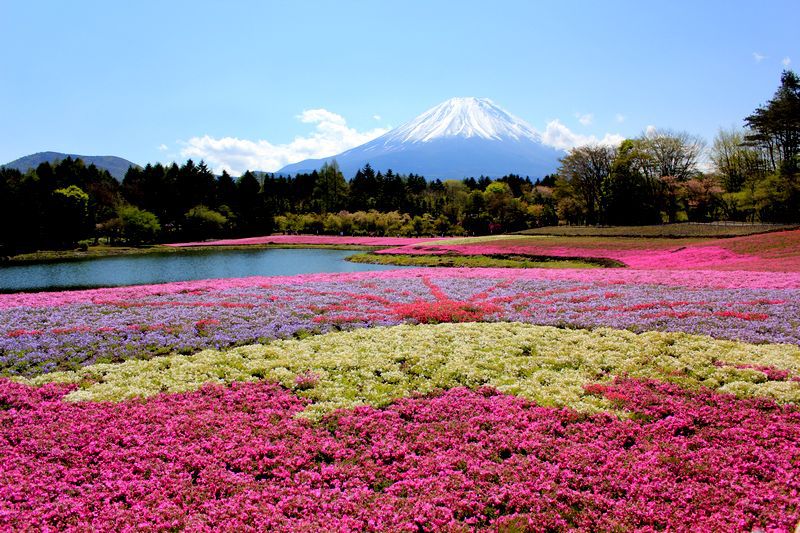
(458,138)
(463,117)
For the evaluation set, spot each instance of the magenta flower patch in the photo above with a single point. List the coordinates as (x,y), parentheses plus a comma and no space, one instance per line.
(236,457)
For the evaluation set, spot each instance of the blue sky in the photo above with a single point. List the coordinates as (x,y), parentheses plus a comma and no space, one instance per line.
(259,83)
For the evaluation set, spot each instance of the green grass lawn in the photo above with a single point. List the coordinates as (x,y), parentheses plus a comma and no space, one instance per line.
(674,231)
(475,261)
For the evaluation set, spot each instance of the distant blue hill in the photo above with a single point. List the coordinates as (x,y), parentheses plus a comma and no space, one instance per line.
(116,166)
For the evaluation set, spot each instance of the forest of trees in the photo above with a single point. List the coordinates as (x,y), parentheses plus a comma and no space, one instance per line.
(661,176)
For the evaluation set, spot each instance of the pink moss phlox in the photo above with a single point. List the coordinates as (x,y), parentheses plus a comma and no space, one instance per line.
(693,278)
(306,380)
(237,458)
(772,373)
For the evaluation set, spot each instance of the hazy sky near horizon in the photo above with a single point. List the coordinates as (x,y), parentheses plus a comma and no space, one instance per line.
(261,84)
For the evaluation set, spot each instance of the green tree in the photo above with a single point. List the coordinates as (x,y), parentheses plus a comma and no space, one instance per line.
(736,162)
(200,222)
(249,216)
(775,131)
(226,191)
(476,219)
(330,191)
(137,225)
(585,169)
(68,216)
(629,196)
(363,189)
(775,127)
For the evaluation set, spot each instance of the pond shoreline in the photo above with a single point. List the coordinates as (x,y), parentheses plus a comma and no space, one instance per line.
(44,257)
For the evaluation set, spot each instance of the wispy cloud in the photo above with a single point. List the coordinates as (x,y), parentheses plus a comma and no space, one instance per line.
(331,136)
(376,117)
(584,119)
(786,61)
(759,57)
(619,118)
(163,147)
(559,136)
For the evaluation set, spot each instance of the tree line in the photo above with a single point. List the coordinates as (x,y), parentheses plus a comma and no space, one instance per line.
(69,203)
(661,176)
(751,174)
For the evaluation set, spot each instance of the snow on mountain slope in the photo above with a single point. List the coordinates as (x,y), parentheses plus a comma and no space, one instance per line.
(463,117)
(457,138)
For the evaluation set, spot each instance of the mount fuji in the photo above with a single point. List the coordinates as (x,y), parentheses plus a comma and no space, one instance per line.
(458,138)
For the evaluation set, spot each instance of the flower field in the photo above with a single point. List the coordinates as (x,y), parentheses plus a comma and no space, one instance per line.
(777,252)
(406,400)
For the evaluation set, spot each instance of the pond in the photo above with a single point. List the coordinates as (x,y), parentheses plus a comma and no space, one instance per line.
(183,266)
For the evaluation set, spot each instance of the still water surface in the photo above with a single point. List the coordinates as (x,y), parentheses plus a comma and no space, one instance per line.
(162,268)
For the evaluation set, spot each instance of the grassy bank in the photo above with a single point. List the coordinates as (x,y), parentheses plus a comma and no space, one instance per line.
(487,261)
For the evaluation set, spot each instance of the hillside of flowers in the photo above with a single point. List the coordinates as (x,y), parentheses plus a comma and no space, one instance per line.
(406,400)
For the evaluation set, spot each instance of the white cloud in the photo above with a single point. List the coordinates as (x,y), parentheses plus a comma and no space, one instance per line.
(758,57)
(163,147)
(331,136)
(786,61)
(376,117)
(321,116)
(559,136)
(619,117)
(650,129)
(585,119)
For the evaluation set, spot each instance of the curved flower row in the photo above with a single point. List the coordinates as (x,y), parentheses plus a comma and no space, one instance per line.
(377,366)
(36,340)
(237,456)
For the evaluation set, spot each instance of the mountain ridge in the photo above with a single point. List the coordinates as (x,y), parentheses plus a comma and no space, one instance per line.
(116,166)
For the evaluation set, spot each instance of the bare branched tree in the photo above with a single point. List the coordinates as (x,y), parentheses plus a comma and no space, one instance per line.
(671,153)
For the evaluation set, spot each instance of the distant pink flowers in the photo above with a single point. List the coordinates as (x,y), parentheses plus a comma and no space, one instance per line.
(237,457)
(312,239)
